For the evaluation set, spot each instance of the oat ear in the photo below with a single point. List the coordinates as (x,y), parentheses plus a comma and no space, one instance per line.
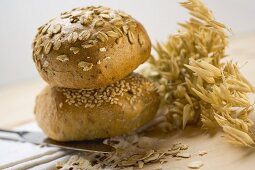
(214,90)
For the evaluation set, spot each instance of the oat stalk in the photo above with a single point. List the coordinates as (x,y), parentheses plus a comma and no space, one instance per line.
(195,86)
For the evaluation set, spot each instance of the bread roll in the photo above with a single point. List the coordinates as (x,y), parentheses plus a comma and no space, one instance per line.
(89,47)
(74,115)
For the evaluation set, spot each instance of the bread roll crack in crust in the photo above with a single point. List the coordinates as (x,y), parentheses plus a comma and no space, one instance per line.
(83,35)
(84,114)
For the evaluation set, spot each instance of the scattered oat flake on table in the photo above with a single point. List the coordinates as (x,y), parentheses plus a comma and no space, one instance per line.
(176,146)
(178,159)
(129,168)
(163,161)
(183,155)
(173,152)
(140,164)
(195,164)
(184,147)
(158,168)
(202,153)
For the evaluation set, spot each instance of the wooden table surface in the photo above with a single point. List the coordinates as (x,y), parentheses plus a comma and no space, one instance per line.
(17,103)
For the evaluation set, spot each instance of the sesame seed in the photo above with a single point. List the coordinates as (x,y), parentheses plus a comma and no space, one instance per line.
(90,98)
(102,49)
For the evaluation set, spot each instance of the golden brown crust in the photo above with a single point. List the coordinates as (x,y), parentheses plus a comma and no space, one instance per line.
(73,115)
(89,48)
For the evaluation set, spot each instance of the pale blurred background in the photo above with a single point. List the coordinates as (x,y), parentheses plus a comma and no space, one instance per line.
(19,20)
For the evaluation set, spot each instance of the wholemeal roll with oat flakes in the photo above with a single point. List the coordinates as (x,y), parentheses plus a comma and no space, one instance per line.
(74,115)
(89,47)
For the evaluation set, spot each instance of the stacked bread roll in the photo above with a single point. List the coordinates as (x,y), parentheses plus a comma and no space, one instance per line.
(87,56)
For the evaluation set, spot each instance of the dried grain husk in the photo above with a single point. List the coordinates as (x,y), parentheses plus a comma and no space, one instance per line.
(129,154)
(195,85)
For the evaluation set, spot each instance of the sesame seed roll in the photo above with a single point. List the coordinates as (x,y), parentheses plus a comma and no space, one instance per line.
(83,114)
